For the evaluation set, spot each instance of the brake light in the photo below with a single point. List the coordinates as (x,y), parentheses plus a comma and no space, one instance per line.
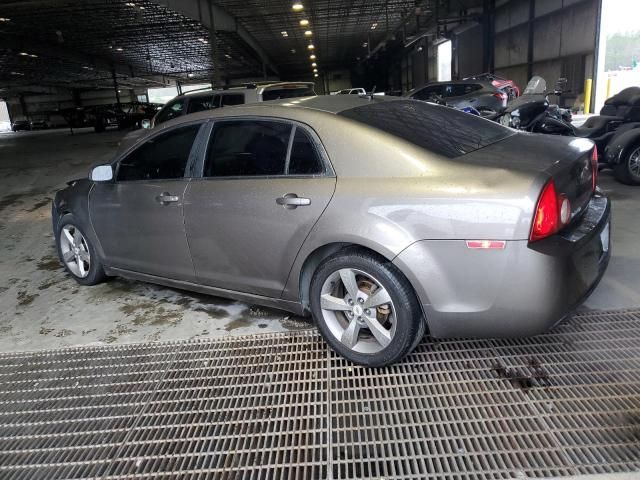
(501,96)
(594,168)
(553,212)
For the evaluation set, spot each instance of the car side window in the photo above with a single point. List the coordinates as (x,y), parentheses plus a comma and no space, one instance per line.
(163,157)
(230,99)
(428,93)
(201,104)
(247,148)
(172,110)
(304,158)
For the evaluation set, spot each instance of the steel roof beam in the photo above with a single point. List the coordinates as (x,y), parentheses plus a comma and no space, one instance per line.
(204,10)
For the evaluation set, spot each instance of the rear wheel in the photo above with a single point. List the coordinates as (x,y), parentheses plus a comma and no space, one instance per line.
(77,253)
(365,308)
(628,170)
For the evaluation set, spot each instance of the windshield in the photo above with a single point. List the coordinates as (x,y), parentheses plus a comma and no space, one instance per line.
(536,86)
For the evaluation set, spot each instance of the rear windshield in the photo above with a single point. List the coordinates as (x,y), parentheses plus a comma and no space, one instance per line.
(442,130)
(283,92)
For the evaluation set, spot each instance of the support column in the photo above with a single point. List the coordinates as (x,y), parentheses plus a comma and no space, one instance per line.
(489,35)
(532,16)
(115,86)
(213,48)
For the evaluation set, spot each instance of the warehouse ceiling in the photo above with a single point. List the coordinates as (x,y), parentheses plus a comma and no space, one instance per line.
(79,44)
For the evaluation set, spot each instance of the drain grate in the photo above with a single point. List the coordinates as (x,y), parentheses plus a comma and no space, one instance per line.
(282,406)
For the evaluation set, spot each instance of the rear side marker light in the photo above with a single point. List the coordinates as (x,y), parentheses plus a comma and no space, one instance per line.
(486,244)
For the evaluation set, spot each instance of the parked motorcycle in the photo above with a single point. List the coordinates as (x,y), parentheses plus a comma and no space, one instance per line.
(616,131)
(533,112)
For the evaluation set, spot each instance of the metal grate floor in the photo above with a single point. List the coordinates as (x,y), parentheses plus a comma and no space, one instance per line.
(282,406)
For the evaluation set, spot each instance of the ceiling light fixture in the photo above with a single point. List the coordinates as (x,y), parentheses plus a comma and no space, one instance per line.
(308,33)
(314,64)
(227,55)
(315,70)
(33,55)
(312,57)
(5,19)
(190,75)
(119,49)
(284,33)
(304,23)
(17,73)
(365,44)
(293,50)
(130,4)
(23,54)
(373,27)
(297,7)
(315,74)
(310,46)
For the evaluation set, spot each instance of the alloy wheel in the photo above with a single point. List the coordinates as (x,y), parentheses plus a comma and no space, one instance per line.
(75,251)
(358,310)
(634,163)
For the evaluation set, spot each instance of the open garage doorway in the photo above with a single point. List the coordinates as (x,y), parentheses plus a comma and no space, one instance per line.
(5,121)
(619,49)
(444,61)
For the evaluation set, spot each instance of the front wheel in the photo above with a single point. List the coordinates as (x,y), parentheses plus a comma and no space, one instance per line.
(628,170)
(365,308)
(77,253)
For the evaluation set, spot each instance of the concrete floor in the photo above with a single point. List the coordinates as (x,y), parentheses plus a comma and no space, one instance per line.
(42,307)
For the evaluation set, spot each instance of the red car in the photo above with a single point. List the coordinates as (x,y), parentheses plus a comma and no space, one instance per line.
(507,86)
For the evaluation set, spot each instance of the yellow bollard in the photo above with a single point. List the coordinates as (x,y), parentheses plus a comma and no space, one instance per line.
(587,95)
(609,81)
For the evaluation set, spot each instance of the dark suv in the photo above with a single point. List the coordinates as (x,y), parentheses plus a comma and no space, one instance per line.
(482,96)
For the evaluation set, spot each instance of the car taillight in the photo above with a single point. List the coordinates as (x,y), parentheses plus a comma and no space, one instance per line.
(501,96)
(553,212)
(594,168)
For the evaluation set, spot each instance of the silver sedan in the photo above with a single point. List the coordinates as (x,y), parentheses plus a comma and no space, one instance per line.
(383,218)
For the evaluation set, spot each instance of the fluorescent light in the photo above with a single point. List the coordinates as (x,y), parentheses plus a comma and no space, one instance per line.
(315,74)
(314,64)
(33,55)
(17,73)
(119,49)
(293,50)
(23,54)
(227,55)
(297,7)
(310,46)
(284,33)
(315,70)
(190,75)
(304,23)
(130,4)
(365,44)
(5,19)
(308,33)
(373,27)
(312,57)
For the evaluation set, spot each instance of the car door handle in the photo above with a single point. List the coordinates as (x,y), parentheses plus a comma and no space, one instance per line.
(291,200)
(165,198)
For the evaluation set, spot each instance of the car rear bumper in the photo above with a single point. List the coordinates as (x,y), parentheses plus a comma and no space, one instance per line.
(522,290)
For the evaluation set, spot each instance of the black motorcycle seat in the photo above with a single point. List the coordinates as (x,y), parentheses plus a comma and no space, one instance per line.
(595,126)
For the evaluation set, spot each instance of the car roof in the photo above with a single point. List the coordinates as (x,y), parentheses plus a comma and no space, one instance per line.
(325,103)
(250,87)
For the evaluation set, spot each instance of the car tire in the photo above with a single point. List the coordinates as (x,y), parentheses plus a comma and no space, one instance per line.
(398,324)
(628,170)
(77,252)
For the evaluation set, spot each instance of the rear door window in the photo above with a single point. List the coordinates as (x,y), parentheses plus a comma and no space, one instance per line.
(247,148)
(304,158)
(442,130)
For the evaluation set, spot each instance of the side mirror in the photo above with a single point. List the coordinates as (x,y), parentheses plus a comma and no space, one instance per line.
(101,173)
(146,123)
